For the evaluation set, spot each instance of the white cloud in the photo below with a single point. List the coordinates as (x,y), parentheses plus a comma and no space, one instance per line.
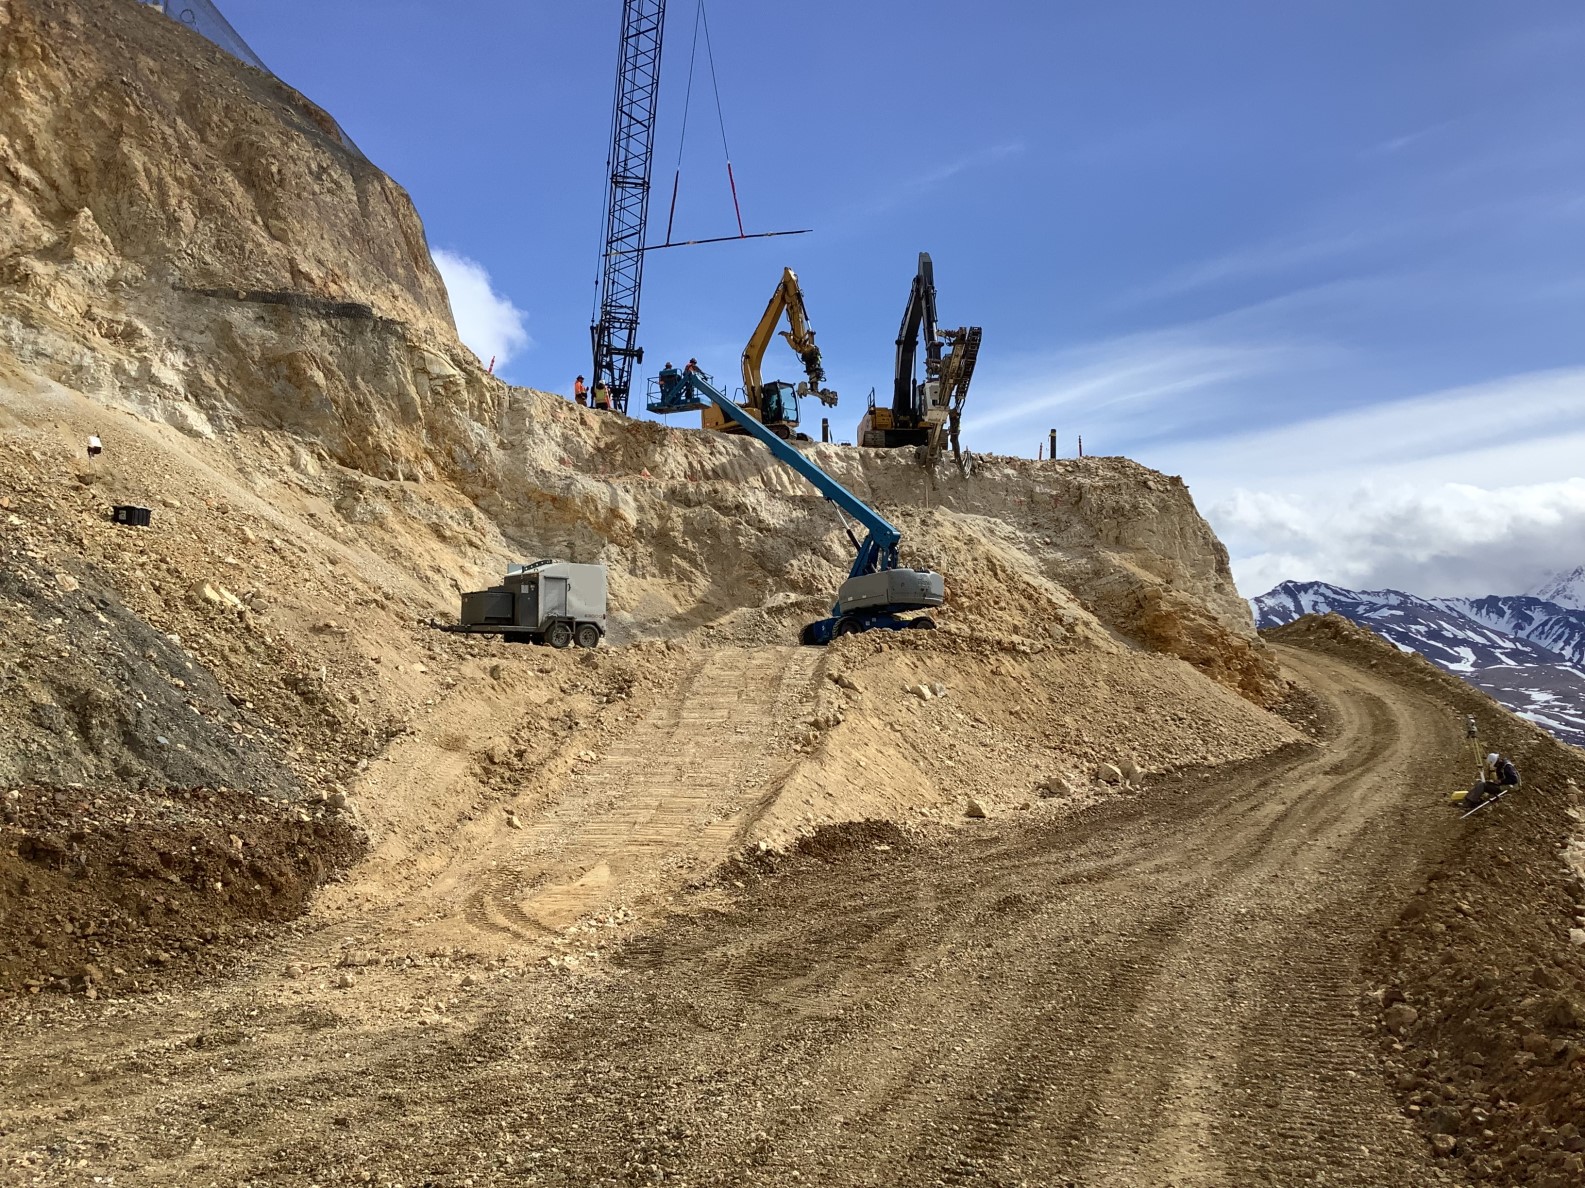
(1477,490)
(487,322)
(1139,386)
(1450,539)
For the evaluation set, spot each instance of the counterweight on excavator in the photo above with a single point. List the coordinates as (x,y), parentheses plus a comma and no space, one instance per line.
(925,414)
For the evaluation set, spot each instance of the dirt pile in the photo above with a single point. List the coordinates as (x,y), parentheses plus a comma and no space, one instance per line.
(1481,992)
(103,890)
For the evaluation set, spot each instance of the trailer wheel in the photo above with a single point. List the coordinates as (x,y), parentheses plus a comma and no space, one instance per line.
(923,623)
(588,635)
(559,635)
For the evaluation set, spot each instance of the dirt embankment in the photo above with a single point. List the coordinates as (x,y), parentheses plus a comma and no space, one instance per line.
(1480,992)
(105,892)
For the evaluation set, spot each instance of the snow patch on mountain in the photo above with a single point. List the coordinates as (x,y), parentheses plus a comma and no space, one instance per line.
(1564,589)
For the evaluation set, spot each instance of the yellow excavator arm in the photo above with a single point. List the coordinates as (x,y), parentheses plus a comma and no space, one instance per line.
(789,299)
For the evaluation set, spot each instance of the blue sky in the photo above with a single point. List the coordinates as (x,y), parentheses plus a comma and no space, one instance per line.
(1227,239)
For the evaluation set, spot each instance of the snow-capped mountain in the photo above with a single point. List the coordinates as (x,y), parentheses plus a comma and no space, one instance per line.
(1565,589)
(1526,651)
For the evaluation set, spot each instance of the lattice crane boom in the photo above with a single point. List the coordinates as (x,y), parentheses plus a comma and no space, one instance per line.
(615,330)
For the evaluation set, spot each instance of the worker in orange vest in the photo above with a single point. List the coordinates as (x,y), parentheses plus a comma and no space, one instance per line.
(580,392)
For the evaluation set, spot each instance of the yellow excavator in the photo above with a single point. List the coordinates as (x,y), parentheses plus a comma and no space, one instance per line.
(924,415)
(775,404)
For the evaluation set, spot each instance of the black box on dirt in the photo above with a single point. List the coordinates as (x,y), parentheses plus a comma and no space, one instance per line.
(126,513)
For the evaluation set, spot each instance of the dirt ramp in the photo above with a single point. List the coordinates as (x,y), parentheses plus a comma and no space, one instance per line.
(1478,991)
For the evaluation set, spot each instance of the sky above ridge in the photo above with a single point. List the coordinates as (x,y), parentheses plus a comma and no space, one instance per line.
(1325,259)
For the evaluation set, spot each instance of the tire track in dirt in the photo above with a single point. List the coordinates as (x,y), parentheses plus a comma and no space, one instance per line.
(994,1013)
(1160,990)
(673,792)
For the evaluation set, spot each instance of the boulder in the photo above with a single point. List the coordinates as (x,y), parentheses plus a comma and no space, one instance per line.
(1399,1017)
(975,809)
(1108,773)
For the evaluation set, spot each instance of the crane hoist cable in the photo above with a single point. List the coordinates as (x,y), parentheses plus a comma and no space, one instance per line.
(701,23)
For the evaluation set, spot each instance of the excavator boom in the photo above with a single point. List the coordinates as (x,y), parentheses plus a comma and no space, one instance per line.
(925,414)
(787,299)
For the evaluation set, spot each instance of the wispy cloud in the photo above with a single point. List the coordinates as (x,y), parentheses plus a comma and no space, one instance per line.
(1259,260)
(913,187)
(1248,366)
(963,164)
(488,323)
(1396,144)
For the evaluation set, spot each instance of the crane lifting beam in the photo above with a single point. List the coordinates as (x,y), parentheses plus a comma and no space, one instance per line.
(614,333)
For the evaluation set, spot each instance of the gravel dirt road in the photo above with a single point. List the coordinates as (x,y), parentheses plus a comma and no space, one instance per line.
(1162,990)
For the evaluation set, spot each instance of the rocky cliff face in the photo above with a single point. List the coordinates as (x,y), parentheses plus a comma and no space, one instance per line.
(187,237)
(184,238)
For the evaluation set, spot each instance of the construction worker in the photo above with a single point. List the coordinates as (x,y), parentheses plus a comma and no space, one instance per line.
(580,392)
(602,395)
(693,367)
(1498,775)
(95,447)
(669,379)
(1501,772)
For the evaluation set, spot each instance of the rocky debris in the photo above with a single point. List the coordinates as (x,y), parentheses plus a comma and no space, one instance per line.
(1399,1017)
(1131,772)
(975,810)
(1055,786)
(1576,936)
(344,981)
(1109,773)
(217,595)
(146,881)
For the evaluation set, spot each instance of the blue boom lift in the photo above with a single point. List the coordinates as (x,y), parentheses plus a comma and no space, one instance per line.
(877,589)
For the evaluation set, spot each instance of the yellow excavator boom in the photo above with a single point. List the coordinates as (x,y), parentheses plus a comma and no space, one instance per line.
(787,299)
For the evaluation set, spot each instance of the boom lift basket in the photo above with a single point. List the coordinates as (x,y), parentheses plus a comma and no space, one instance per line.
(672,395)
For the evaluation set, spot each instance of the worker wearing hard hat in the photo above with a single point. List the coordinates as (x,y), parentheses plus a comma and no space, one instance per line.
(580,391)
